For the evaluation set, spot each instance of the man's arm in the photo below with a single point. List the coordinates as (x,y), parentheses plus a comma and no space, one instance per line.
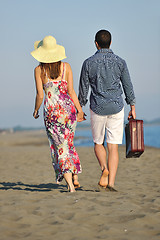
(128,90)
(83,85)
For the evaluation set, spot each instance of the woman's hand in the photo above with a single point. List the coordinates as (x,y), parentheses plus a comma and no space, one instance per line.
(35,114)
(81,116)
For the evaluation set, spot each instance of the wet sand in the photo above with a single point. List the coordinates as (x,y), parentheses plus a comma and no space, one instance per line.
(33,206)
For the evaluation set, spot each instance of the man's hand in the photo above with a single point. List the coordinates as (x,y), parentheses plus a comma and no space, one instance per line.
(132,113)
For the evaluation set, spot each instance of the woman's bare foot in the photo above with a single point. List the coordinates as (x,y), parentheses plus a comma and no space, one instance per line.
(75,181)
(71,189)
(103,182)
(68,178)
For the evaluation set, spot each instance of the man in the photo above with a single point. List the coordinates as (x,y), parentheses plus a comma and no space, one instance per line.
(106,74)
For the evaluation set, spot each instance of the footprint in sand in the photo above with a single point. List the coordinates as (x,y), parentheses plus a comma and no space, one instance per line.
(67,216)
(123,219)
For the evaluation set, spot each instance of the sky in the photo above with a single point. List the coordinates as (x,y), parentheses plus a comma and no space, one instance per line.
(135,29)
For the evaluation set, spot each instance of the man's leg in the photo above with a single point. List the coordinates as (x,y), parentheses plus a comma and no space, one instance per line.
(113,159)
(100,153)
(98,132)
(114,137)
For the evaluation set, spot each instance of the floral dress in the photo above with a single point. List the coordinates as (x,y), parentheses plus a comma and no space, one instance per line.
(60,122)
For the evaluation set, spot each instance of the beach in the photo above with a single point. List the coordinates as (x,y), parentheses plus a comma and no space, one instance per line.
(34,207)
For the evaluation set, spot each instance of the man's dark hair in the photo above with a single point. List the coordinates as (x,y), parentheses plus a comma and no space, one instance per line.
(103,38)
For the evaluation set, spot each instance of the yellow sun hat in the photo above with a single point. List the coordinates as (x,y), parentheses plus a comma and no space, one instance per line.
(48,51)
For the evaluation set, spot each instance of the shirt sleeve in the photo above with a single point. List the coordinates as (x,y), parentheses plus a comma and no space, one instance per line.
(127,85)
(83,85)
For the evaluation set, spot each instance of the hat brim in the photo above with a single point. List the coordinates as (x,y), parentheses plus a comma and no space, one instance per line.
(41,55)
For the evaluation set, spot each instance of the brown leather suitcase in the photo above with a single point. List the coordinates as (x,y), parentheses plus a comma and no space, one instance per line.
(134,138)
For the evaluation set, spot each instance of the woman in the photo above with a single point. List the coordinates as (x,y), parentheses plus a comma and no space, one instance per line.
(60,105)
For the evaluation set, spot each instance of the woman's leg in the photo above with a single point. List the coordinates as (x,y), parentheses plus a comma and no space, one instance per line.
(68,178)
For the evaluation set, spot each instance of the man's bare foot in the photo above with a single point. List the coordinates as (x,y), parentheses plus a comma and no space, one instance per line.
(103,182)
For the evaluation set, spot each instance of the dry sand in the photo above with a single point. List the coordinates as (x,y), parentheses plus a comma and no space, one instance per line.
(33,206)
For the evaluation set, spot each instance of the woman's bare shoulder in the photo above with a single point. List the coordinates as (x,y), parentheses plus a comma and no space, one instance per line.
(37,69)
(68,67)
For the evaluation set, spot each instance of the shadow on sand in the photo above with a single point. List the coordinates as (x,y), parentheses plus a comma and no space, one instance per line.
(44,187)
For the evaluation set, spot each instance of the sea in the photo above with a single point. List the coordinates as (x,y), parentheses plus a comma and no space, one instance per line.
(83,136)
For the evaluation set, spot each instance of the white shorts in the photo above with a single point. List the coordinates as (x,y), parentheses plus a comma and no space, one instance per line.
(112,125)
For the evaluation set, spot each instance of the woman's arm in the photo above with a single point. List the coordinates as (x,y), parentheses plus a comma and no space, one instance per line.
(39,90)
(71,92)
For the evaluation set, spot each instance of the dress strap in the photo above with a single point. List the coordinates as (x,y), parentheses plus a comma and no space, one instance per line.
(63,70)
(46,74)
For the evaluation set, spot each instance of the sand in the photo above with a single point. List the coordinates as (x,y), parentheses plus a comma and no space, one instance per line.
(33,206)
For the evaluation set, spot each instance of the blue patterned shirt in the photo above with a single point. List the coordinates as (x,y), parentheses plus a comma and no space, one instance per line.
(106,74)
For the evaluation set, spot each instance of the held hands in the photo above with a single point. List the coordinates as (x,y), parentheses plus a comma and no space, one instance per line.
(81,116)
(132,113)
(35,114)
